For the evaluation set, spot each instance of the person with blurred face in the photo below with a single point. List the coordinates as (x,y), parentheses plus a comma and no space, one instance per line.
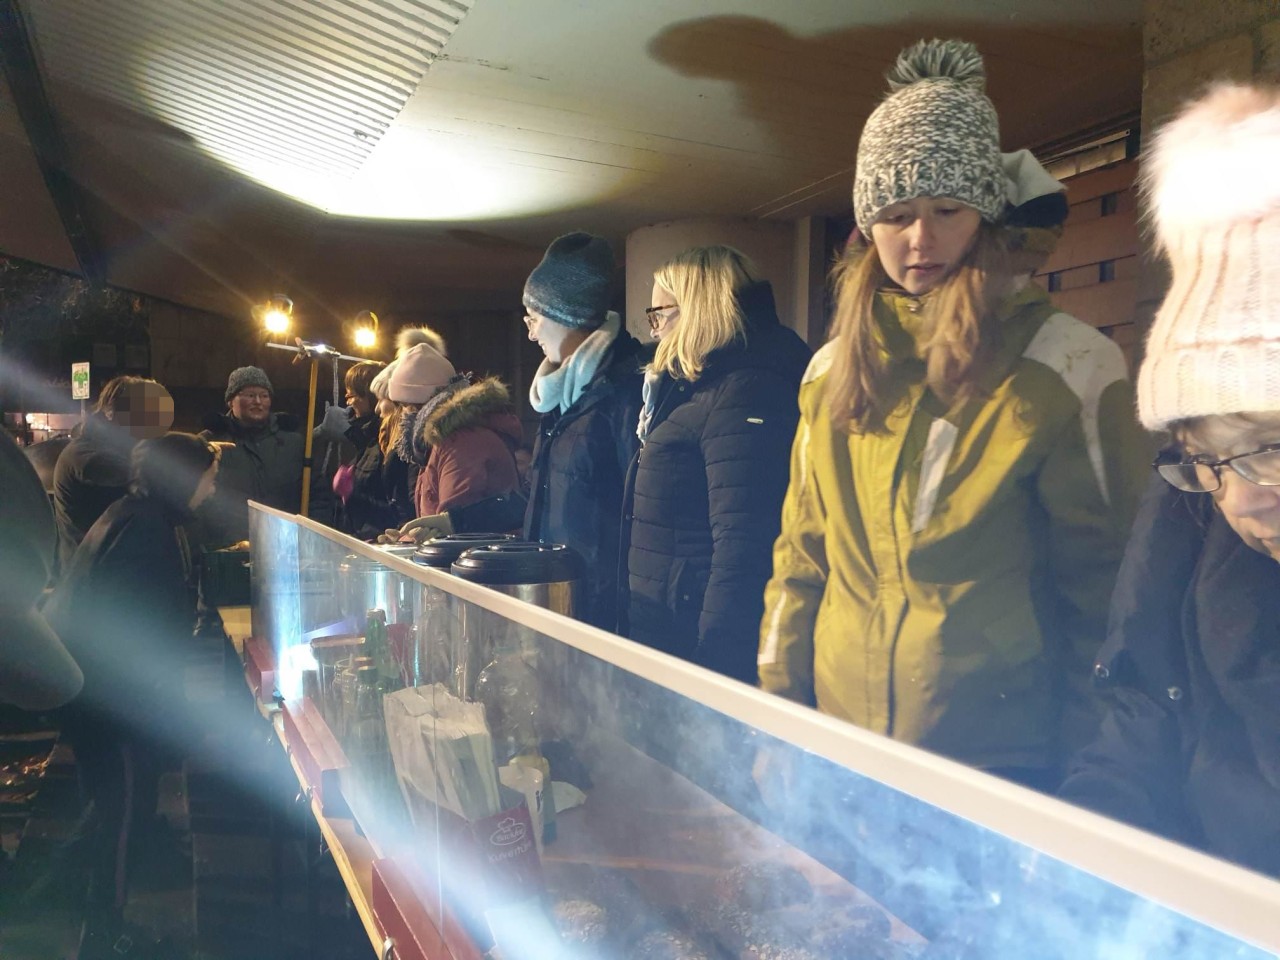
(263,461)
(125,611)
(1190,745)
(93,471)
(967,463)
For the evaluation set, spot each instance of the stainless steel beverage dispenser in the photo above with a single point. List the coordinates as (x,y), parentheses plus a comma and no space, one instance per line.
(547,575)
(439,636)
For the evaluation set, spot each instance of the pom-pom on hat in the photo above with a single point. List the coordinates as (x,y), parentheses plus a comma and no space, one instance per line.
(406,339)
(935,135)
(1212,185)
(573,283)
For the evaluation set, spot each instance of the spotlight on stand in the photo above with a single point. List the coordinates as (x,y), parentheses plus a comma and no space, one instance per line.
(364,330)
(275,315)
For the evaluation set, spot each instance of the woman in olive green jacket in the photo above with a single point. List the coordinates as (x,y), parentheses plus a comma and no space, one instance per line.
(967,462)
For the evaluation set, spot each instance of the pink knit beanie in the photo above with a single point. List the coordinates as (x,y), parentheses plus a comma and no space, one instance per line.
(1213,184)
(419,374)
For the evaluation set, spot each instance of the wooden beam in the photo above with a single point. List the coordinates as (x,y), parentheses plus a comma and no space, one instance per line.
(21,69)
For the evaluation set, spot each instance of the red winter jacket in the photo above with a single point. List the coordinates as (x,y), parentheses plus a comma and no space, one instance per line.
(473,438)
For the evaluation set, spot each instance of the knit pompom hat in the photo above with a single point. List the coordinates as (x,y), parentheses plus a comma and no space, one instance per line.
(1212,184)
(419,374)
(574,282)
(935,135)
(406,339)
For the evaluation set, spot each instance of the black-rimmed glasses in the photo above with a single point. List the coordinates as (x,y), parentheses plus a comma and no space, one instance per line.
(654,314)
(1201,474)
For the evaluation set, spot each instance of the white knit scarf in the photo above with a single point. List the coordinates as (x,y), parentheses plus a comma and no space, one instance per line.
(561,386)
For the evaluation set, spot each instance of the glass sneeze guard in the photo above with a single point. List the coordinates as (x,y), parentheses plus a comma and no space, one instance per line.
(599,799)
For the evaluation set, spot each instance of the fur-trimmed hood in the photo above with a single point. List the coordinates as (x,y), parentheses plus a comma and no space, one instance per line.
(486,403)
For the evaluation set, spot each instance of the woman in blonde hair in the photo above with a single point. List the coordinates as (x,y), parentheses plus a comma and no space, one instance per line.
(967,463)
(705,490)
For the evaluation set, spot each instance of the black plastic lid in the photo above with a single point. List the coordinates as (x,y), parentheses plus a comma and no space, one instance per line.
(520,562)
(443,551)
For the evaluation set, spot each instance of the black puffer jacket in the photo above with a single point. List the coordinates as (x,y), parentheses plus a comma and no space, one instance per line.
(1190,744)
(704,496)
(579,470)
(371,509)
(125,609)
(91,474)
(265,466)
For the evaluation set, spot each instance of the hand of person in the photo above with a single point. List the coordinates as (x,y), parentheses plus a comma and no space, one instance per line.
(344,481)
(336,422)
(427,528)
(390,535)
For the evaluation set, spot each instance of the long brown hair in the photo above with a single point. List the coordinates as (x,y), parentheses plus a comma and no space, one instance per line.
(961,313)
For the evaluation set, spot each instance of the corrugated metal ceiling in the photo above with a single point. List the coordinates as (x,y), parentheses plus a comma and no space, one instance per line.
(311,84)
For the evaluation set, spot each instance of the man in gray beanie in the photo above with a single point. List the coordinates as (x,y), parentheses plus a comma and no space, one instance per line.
(263,461)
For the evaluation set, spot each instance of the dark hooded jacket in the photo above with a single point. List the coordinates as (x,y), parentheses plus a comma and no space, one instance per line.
(125,605)
(265,466)
(473,434)
(372,506)
(91,474)
(1190,743)
(704,495)
(579,470)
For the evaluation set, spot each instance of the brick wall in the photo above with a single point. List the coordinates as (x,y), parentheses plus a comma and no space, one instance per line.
(1093,273)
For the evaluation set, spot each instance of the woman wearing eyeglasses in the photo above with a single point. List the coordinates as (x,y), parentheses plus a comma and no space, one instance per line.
(587,390)
(705,491)
(662,318)
(1190,746)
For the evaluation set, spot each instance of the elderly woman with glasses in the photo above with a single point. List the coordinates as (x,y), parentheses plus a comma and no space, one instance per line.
(1190,746)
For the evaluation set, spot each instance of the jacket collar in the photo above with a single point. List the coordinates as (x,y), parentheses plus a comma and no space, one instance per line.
(364,430)
(626,358)
(760,321)
(902,320)
(474,405)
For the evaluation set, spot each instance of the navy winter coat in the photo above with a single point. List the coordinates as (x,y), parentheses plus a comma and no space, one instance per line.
(704,496)
(578,471)
(1190,745)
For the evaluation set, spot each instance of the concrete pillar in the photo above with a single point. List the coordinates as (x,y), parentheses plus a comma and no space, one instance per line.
(1186,45)
(771,244)
(810,300)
